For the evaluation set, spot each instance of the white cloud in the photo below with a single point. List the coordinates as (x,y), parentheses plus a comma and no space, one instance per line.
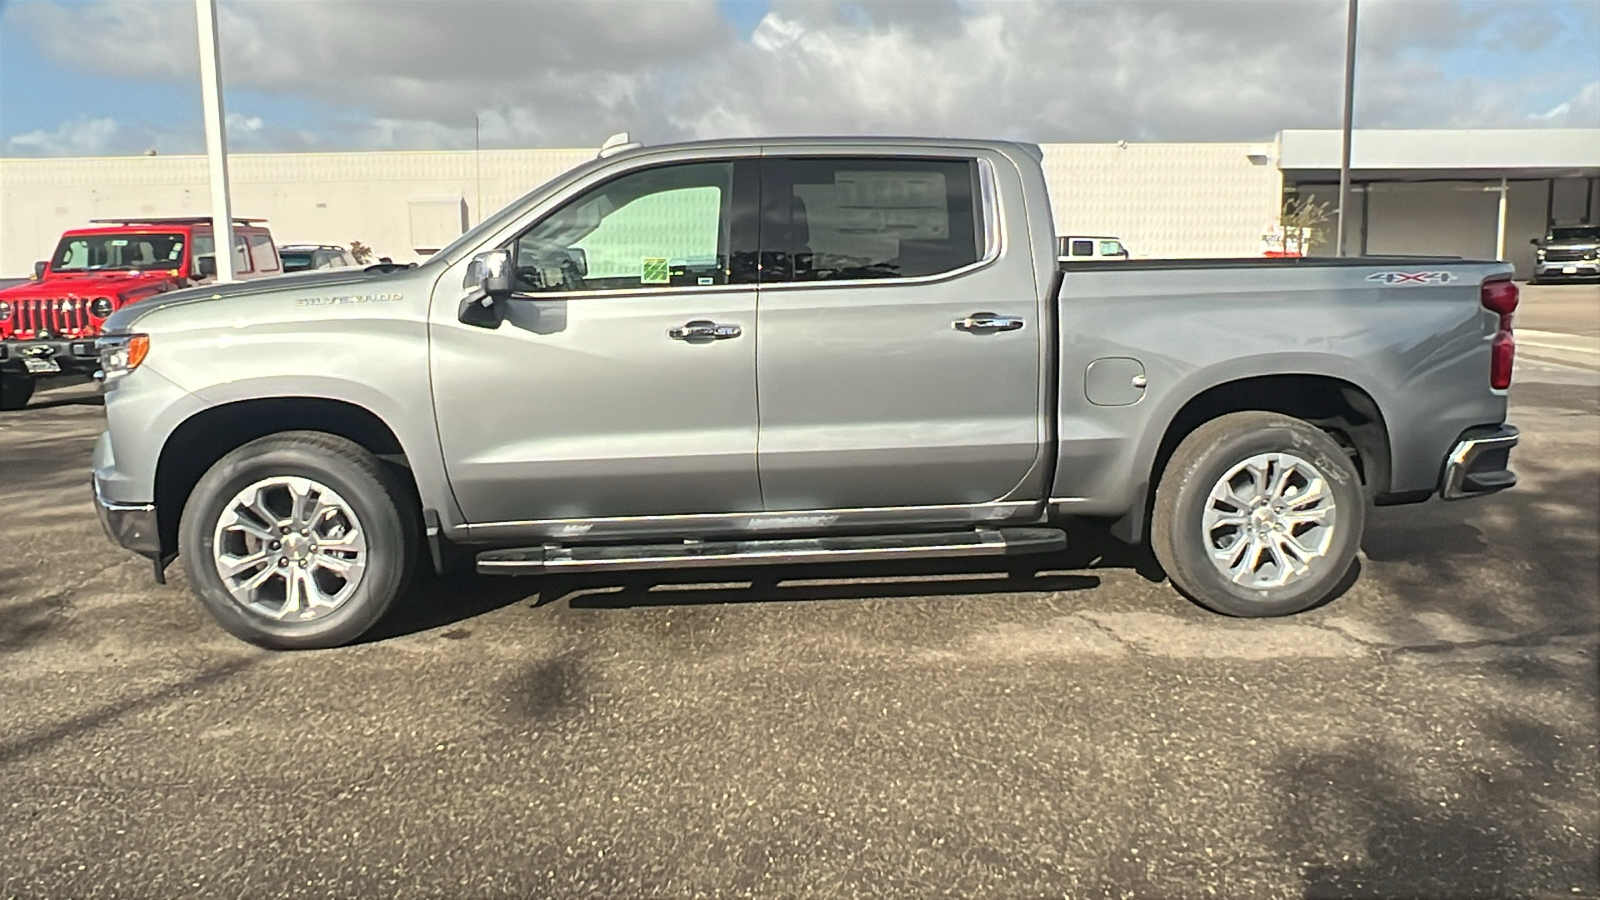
(79,137)
(408,74)
(1581,111)
(239,123)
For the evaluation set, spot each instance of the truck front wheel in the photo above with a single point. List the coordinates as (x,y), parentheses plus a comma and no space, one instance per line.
(298,540)
(15,389)
(1258,514)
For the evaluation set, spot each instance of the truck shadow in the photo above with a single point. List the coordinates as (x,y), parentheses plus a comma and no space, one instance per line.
(1442,557)
(1488,819)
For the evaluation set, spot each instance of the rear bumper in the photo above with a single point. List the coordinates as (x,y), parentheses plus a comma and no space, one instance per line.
(1480,463)
(130,525)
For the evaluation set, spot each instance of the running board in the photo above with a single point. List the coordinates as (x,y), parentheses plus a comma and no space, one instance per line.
(687,554)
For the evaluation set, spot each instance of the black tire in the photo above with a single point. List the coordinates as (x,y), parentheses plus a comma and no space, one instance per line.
(15,390)
(1200,462)
(378,499)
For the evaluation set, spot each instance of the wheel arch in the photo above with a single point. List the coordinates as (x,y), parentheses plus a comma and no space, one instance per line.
(1342,408)
(208,435)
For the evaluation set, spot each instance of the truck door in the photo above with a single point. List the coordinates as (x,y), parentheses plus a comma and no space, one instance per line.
(622,382)
(898,351)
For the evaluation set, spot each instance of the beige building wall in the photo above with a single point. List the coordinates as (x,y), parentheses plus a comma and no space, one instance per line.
(1167,200)
(1162,199)
(395,203)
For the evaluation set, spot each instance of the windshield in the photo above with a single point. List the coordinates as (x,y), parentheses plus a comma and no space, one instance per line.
(1578,233)
(97,252)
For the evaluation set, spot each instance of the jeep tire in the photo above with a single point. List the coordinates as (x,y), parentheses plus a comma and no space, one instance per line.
(250,534)
(1258,514)
(15,390)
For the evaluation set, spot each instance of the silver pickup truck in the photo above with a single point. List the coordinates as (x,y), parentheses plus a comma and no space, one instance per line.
(783,351)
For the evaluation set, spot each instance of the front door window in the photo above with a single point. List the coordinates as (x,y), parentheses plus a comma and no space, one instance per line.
(656,228)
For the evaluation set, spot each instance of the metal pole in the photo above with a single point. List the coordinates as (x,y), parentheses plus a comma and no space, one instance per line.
(1349,106)
(205,12)
(1500,228)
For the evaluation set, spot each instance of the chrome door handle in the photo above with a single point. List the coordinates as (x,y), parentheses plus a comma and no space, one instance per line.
(988,321)
(702,330)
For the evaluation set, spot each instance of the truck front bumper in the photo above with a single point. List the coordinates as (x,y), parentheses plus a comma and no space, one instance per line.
(1480,463)
(1562,270)
(130,525)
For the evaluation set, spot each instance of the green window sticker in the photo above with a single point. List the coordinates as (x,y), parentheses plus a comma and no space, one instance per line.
(656,271)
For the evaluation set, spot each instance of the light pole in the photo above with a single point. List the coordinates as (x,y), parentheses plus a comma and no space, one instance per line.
(1349,107)
(216,137)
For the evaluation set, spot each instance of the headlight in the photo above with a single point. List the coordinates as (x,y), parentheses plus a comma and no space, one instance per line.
(5,310)
(121,354)
(101,307)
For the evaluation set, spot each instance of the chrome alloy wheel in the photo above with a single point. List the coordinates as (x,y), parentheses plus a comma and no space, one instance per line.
(1268,520)
(289,548)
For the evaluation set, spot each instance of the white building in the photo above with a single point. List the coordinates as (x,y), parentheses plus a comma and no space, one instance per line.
(1416,192)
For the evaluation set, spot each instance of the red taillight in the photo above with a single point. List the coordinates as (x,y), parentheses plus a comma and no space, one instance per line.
(1500,297)
(1502,354)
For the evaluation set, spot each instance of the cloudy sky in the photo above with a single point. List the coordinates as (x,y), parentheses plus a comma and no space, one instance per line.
(119,77)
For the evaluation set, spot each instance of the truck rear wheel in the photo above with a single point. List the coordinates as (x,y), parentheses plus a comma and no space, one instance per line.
(298,540)
(1258,514)
(15,389)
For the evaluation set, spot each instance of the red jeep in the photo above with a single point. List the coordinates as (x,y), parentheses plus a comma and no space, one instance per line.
(48,325)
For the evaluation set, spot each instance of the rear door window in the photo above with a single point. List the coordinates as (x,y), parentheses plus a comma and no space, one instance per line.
(1082,248)
(849,218)
(262,253)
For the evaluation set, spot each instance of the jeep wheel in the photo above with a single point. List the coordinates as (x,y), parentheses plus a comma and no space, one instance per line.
(1258,514)
(298,540)
(15,389)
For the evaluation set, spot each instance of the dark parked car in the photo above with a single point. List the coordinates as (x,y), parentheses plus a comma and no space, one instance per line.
(305,257)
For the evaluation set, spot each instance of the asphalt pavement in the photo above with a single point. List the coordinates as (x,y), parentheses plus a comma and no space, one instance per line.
(1062,726)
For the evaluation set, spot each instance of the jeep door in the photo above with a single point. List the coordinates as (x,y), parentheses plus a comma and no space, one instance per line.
(622,381)
(899,344)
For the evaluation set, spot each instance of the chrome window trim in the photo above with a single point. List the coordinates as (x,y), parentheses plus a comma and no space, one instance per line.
(673,290)
(989,207)
(993,229)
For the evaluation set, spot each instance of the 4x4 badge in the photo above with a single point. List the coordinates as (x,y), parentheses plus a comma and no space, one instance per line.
(1412,277)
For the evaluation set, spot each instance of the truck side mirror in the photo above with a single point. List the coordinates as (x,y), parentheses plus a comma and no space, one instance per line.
(38,270)
(489,277)
(205,267)
(1534,242)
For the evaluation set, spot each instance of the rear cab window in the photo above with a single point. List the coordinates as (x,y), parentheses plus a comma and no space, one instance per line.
(840,218)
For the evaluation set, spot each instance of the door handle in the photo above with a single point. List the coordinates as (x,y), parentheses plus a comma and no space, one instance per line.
(701,331)
(987,321)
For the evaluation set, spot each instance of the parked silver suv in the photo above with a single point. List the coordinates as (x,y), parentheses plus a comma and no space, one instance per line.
(1568,253)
